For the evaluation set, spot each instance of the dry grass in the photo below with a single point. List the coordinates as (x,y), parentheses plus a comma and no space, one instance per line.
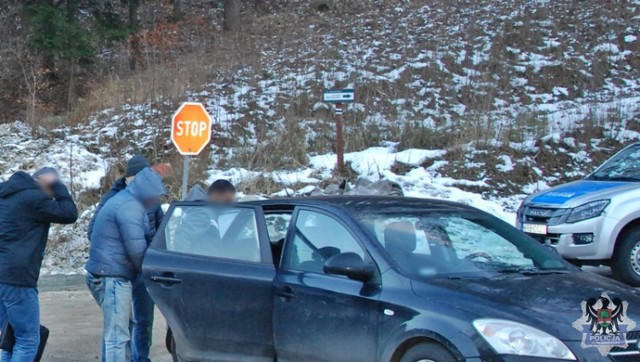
(267,49)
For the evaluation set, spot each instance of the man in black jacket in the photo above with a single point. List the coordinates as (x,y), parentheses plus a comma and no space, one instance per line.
(28,205)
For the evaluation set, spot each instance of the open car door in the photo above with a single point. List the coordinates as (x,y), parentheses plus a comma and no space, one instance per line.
(210,271)
(318,316)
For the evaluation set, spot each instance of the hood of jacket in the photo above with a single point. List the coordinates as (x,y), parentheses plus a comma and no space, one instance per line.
(119,185)
(19,181)
(197,193)
(147,185)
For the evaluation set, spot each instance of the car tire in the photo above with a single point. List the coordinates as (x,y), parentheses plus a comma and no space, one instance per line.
(432,352)
(626,265)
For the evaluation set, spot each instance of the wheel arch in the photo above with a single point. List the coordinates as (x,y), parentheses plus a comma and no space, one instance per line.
(633,224)
(407,344)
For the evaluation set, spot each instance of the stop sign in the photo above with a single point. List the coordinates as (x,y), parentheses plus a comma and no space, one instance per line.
(191,128)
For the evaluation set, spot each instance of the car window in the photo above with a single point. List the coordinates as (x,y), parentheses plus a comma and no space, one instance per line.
(317,237)
(216,231)
(625,166)
(277,225)
(470,239)
(425,243)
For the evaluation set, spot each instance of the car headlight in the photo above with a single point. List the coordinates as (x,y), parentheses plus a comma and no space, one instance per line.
(507,337)
(587,211)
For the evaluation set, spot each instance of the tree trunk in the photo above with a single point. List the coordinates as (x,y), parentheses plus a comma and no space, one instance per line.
(71,9)
(48,58)
(232,15)
(134,41)
(177,10)
(259,5)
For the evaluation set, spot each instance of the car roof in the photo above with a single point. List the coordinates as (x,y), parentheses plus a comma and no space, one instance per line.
(367,202)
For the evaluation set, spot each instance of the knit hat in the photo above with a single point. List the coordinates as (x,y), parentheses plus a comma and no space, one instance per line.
(45,170)
(136,164)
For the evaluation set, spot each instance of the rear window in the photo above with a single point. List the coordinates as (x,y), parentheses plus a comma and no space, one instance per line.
(228,232)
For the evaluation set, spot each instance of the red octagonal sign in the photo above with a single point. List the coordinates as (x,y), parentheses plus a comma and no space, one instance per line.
(191,128)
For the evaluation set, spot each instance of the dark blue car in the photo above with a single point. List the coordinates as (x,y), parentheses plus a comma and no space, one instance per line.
(376,279)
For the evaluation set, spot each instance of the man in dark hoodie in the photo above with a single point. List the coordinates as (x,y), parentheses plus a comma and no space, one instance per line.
(28,205)
(118,245)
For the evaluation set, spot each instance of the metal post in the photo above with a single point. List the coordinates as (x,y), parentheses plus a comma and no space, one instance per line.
(185,177)
(339,137)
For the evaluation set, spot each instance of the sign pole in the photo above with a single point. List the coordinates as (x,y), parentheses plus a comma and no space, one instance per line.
(190,133)
(185,177)
(339,97)
(339,137)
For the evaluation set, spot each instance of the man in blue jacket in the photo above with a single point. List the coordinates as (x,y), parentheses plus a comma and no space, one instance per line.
(136,164)
(141,326)
(118,244)
(28,205)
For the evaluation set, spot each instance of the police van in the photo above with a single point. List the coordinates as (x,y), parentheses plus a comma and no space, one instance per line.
(593,221)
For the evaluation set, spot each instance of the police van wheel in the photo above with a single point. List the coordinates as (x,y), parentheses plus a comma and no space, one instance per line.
(429,352)
(626,261)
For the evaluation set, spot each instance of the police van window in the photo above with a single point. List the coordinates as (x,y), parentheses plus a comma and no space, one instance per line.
(277,225)
(317,238)
(221,232)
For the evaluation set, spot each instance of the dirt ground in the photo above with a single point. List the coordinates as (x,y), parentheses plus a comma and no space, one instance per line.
(75,322)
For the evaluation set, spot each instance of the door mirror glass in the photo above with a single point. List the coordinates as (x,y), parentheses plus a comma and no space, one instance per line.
(350,265)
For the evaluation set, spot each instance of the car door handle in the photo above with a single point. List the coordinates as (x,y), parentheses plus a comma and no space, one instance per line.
(166,279)
(285,292)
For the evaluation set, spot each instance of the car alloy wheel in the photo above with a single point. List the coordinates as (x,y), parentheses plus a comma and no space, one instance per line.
(635,258)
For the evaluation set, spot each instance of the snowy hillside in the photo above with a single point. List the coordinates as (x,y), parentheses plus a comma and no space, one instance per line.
(482,103)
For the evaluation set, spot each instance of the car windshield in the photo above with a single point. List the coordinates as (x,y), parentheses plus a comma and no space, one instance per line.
(625,166)
(458,244)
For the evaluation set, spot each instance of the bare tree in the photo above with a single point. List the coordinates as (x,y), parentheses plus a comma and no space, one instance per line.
(177,10)
(134,40)
(232,15)
(33,80)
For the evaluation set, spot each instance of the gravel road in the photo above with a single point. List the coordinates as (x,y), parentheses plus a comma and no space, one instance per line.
(75,321)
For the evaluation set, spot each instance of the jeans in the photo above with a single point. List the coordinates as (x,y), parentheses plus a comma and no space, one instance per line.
(21,307)
(114,296)
(141,325)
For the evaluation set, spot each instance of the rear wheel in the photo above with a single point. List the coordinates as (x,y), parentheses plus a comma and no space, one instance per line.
(626,261)
(428,352)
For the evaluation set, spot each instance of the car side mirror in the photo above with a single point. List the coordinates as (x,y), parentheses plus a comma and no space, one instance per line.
(350,265)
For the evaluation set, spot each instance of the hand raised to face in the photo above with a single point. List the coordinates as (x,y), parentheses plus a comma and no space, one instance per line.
(46,179)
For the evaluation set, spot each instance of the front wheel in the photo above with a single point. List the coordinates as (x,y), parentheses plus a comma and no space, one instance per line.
(626,261)
(428,352)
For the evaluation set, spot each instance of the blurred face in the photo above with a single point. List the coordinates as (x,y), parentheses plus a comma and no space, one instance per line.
(45,181)
(222,197)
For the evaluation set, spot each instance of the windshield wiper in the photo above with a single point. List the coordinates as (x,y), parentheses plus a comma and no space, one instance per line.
(614,178)
(623,178)
(532,271)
